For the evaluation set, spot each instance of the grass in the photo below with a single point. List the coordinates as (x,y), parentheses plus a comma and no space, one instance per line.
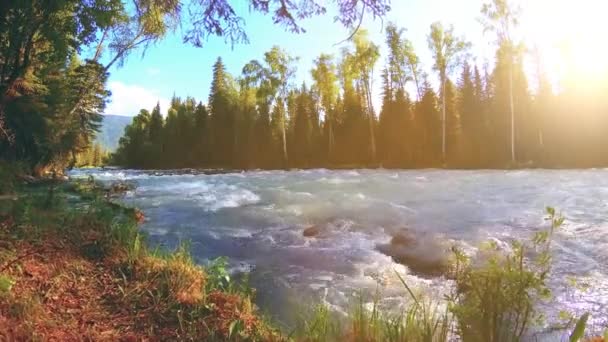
(79,269)
(74,266)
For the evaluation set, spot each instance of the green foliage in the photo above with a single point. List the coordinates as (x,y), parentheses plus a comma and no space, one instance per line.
(94,155)
(219,278)
(52,101)
(496,301)
(6,284)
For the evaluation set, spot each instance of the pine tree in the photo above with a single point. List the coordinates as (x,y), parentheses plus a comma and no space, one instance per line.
(156,135)
(221,108)
(452,124)
(428,124)
(201,140)
(303,135)
(470,115)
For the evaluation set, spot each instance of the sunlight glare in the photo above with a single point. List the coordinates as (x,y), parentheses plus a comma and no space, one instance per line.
(569,36)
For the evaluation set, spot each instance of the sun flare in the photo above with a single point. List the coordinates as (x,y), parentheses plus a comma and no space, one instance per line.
(568,35)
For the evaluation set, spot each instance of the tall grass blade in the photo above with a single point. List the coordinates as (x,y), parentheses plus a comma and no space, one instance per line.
(579,329)
(407,287)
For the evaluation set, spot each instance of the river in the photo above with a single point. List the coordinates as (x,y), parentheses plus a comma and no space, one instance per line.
(257,219)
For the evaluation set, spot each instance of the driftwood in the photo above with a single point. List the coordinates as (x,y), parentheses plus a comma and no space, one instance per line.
(9,197)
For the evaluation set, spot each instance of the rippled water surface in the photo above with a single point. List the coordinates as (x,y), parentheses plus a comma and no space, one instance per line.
(257,220)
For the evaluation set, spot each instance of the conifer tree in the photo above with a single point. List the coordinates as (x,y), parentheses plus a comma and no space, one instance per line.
(222,110)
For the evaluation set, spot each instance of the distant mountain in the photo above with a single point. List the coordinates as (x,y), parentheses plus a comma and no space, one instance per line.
(112,128)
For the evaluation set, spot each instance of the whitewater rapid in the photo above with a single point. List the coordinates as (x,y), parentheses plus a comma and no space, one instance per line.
(256,219)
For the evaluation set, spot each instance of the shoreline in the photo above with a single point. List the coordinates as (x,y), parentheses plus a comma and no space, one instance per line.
(76,267)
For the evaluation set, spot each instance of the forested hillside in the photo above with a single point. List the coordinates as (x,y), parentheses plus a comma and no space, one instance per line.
(475,117)
(112,128)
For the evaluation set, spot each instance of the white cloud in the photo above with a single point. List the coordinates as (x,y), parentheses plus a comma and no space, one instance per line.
(128,99)
(152,71)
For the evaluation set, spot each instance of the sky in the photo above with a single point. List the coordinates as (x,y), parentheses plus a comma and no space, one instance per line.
(173,67)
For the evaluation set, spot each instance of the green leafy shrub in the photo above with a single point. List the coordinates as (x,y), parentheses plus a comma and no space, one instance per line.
(495,299)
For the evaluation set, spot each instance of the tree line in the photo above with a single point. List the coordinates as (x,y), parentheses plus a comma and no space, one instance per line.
(56,55)
(94,155)
(478,117)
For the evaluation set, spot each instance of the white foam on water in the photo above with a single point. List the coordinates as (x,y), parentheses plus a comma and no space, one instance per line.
(338,180)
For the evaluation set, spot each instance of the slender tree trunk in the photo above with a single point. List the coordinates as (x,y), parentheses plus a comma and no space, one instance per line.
(235,150)
(285,157)
(443,122)
(511,106)
(370,112)
(372,136)
(418,90)
(330,143)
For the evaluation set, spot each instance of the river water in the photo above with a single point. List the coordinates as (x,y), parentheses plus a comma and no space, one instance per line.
(257,219)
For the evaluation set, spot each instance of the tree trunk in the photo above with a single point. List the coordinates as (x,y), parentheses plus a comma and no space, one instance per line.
(443,122)
(418,91)
(285,157)
(370,109)
(330,143)
(511,106)
(235,150)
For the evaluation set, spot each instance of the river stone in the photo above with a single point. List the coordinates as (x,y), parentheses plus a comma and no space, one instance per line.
(423,255)
(312,231)
(403,239)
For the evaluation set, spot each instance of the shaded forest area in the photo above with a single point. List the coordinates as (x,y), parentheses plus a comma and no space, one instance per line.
(494,117)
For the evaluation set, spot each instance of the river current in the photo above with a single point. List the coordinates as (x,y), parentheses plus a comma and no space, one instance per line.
(257,219)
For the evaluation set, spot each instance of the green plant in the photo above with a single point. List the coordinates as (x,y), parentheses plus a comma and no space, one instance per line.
(579,329)
(495,299)
(423,320)
(6,283)
(320,325)
(219,277)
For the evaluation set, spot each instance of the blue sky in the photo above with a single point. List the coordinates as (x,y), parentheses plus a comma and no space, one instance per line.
(174,67)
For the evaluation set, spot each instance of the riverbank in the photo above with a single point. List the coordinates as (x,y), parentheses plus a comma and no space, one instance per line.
(74,266)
